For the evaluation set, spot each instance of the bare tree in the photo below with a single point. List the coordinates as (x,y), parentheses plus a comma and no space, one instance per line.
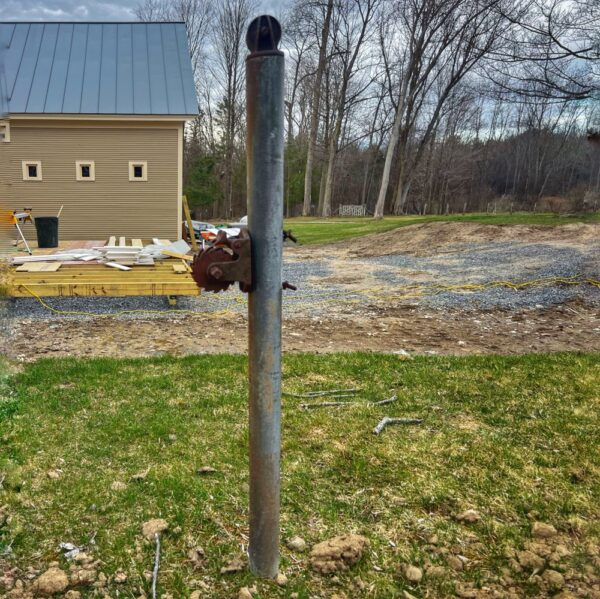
(553,51)
(231,20)
(353,31)
(326,11)
(445,40)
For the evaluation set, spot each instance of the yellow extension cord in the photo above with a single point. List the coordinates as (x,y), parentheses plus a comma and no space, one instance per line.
(375,293)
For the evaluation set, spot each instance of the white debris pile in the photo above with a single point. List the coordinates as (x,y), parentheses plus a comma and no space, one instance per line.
(117,256)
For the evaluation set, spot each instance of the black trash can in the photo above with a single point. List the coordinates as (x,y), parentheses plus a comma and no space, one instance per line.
(46,228)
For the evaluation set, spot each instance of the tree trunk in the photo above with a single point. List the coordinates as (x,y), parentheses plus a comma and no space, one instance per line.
(326,209)
(314,119)
(322,190)
(387,167)
(401,193)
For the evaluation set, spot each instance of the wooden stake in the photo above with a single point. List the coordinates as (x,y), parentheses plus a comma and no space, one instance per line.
(188,218)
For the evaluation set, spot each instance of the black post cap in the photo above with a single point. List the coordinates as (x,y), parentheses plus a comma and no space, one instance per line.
(264,34)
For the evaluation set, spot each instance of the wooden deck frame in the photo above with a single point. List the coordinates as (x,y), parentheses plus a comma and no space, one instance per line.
(97,280)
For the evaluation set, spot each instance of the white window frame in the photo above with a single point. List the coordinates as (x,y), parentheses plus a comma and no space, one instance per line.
(79,164)
(25,164)
(143,164)
(5,126)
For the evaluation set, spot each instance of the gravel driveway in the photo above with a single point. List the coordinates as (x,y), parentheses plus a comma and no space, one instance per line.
(385,278)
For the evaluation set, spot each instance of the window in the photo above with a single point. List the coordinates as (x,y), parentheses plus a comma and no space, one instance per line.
(4,131)
(85,170)
(32,170)
(138,170)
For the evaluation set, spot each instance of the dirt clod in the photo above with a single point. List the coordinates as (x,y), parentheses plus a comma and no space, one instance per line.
(541,530)
(554,579)
(120,578)
(52,581)
(338,553)
(237,564)
(465,593)
(244,593)
(296,544)
(469,516)
(281,579)
(73,595)
(118,486)
(530,561)
(153,527)
(412,573)
(455,563)
(197,557)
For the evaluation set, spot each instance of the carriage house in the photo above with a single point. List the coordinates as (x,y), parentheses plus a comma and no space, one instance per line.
(96,116)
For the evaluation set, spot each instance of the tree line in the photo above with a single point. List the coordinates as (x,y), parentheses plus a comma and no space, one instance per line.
(403,106)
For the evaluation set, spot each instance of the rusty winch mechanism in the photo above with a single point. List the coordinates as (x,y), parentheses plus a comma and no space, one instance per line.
(228,261)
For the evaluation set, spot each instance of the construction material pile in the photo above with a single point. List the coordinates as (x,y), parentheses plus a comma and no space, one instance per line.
(121,255)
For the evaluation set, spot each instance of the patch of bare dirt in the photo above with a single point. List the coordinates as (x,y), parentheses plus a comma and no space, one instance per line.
(429,238)
(377,327)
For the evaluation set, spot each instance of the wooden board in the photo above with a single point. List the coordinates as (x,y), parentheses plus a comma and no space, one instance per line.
(188,218)
(137,243)
(112,240)
(172,254)
(39,267)
(179,268)
(122,241)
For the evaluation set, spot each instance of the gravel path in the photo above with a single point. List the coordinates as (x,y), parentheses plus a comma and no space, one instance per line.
(464,263)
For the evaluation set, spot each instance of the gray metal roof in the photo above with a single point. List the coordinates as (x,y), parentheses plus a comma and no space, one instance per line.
(98,68)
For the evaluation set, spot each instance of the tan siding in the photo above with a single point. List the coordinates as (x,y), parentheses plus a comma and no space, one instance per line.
(110,205)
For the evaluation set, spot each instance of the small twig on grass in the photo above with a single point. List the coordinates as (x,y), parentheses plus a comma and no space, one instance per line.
(156,563)
(334,404)
(323,393)
(383,402)
(328,404)
(387,420)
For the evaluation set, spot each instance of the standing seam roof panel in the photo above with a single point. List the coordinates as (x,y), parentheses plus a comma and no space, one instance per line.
(124,70)
(187,75)
(158,84)
(141,80)
(107,99)
(74,82)
(173,71)
(13,54)
(43,67)
(91,71)
(60,67)
(20,93)
(98,68)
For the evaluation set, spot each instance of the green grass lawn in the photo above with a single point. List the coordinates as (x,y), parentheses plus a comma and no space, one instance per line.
(515,438)
(314,230)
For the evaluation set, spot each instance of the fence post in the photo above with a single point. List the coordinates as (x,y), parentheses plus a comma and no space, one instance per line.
(264,152)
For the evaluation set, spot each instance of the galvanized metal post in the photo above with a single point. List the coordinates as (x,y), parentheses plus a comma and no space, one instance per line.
(264,147)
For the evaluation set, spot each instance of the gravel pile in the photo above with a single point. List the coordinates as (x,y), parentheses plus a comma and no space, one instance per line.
(461,264)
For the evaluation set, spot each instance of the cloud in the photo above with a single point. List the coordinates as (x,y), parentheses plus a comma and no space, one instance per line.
(92,10)
(67,10)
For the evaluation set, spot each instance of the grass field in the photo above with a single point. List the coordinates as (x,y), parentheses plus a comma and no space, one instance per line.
(514,438)
(313,230)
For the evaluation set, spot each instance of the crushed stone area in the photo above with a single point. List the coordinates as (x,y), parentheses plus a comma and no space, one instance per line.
(346,299)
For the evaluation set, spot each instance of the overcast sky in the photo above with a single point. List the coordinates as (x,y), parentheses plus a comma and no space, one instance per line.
(85,10)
